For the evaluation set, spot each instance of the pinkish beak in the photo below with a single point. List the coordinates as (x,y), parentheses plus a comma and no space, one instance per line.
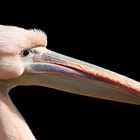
(64,73)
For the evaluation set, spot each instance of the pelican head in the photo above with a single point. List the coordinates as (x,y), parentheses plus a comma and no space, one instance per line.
(25,60)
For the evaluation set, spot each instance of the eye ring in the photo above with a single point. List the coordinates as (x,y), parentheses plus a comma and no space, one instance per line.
(26,53)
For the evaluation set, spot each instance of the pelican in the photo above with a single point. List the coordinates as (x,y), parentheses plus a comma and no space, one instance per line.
(25,60)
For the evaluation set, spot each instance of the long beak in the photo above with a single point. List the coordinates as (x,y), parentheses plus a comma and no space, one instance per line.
(57,71)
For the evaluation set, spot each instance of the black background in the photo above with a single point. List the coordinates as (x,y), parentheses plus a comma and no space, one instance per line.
(103,35)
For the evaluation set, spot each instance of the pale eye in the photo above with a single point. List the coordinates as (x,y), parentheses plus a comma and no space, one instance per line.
(26,53)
